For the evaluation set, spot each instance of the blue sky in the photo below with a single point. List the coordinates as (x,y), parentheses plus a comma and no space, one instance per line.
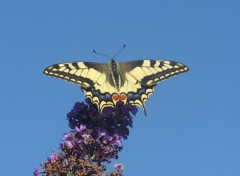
(193,122)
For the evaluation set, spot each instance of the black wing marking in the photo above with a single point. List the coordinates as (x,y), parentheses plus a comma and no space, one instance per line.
(83,73)
(149,72)
(93,78)
(141,76)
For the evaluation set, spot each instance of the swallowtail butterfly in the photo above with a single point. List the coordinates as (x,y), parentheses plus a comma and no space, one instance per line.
(107,83)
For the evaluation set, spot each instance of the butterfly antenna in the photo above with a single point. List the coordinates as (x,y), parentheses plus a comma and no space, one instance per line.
(101,54)
(119,51)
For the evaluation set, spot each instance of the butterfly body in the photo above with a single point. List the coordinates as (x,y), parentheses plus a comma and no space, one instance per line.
(114,76)
(106,84)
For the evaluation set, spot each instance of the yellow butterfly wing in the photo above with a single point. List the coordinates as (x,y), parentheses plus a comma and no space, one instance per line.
(93,78)
(138,78)
(141,76)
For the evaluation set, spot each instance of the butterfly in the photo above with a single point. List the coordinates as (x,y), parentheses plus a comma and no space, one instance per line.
(107,83)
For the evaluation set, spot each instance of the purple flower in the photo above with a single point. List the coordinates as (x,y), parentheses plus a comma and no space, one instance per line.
(117,140)
(81,128)
(66,136)
(52,157)
(36,171)
(94,139)
(119,167)
(112,120)
(69,144)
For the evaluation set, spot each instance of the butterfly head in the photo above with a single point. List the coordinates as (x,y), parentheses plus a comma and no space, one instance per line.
(113,64)
(119,97)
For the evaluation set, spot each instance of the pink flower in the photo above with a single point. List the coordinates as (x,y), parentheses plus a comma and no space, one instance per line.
(119,167)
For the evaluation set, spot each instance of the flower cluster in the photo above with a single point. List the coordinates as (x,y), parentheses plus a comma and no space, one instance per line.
(95,138)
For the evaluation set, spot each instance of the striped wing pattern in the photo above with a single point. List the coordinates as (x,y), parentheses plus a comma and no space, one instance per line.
(139,79)
(142,76)
(91,76)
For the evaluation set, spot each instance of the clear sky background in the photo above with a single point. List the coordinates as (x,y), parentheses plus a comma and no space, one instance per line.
(193,122)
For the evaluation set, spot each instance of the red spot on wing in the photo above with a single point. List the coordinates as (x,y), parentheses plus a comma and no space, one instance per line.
(123,96)
(115,97)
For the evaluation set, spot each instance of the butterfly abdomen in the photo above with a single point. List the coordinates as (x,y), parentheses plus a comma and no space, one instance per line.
(115,76)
